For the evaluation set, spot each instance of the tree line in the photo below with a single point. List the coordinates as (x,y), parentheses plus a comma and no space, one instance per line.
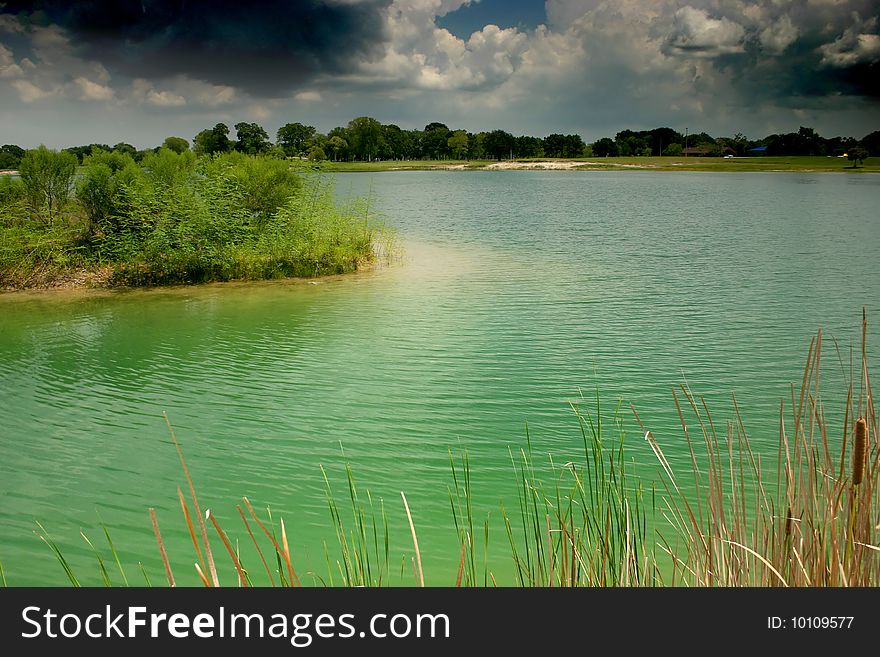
(366,139)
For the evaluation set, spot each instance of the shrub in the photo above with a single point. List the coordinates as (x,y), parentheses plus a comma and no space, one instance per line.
(169,169)
(47,177)
(261,184)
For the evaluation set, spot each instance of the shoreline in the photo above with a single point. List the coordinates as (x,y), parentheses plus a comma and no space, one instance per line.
(767,164)
(96,280)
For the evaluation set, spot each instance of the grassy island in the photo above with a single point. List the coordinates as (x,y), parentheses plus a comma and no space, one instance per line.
(174,218)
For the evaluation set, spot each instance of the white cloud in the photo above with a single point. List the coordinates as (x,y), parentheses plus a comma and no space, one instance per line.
(143,92)
(92,91)
(696,33)
(779,35)
(308,96)
(855,46)
(28,91)
(422,55)
(8,67)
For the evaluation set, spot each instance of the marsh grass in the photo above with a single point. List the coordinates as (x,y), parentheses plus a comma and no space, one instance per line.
(180,220)
(812,518)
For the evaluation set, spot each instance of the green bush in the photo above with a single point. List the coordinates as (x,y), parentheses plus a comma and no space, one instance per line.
(179,220)
(168,169)
(11,191)
(261,184)
(101,190)
(47,176)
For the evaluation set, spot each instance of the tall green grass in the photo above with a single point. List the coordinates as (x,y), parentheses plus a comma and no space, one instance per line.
(812,518)
(180,219)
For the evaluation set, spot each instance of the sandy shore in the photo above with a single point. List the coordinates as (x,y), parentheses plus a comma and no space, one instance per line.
(561,165)
(537,165)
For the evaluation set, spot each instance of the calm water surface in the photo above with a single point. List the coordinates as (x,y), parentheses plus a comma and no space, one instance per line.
(518,290)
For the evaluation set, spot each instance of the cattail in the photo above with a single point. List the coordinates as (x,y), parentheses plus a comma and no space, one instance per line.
(788,519)
(858,466)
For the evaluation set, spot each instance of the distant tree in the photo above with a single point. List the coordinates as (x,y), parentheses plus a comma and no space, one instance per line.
(673,150)
(393,142)
(176,144)
(660,138)
(10,156)
(252,139)
(82,151)
(213,140)
(276,152)
(458,144)
(365,137)
(47,177)
(870,142)
(527,146)
(337,146)
(478,146)
(128,149)
(499,144)
(316,154)
(114,160)
(631,143)
(554,145)
(857,155)
(740,143)
(435,141)
(294,138)
(573,146)
(605,147)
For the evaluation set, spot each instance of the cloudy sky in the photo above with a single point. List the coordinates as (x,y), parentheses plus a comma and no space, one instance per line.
(140,70)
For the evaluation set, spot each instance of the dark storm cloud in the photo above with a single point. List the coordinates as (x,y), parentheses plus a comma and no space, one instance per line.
(798,50)
(266,48)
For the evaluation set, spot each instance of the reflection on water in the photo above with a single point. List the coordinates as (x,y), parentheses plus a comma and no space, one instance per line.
(517,290)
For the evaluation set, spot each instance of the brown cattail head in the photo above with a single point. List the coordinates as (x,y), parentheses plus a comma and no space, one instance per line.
(858,464)
(788,520)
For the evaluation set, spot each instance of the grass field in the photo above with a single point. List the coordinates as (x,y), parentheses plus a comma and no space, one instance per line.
(750,164)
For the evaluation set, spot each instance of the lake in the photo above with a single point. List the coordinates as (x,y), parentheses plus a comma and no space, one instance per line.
(517,292)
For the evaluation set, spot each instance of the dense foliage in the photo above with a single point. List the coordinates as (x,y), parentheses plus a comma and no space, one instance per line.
(174,217)
(365,139)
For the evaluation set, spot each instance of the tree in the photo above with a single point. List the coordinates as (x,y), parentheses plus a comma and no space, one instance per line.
(573,146)
(82,151)
(337,145)
(10,156)
(176,144)
(316,154)
(458,144)
(529,146)
(553,145)
(213,140)
(294,138)
(127,149)
(673,150)
(47,177)
(660,138)
(605,147)
(499,144)
(856,155)
(870,142)
(365,137)
(252,139)
(435,141)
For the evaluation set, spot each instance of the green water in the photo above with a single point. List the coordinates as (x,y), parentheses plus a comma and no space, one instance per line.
(518,289)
